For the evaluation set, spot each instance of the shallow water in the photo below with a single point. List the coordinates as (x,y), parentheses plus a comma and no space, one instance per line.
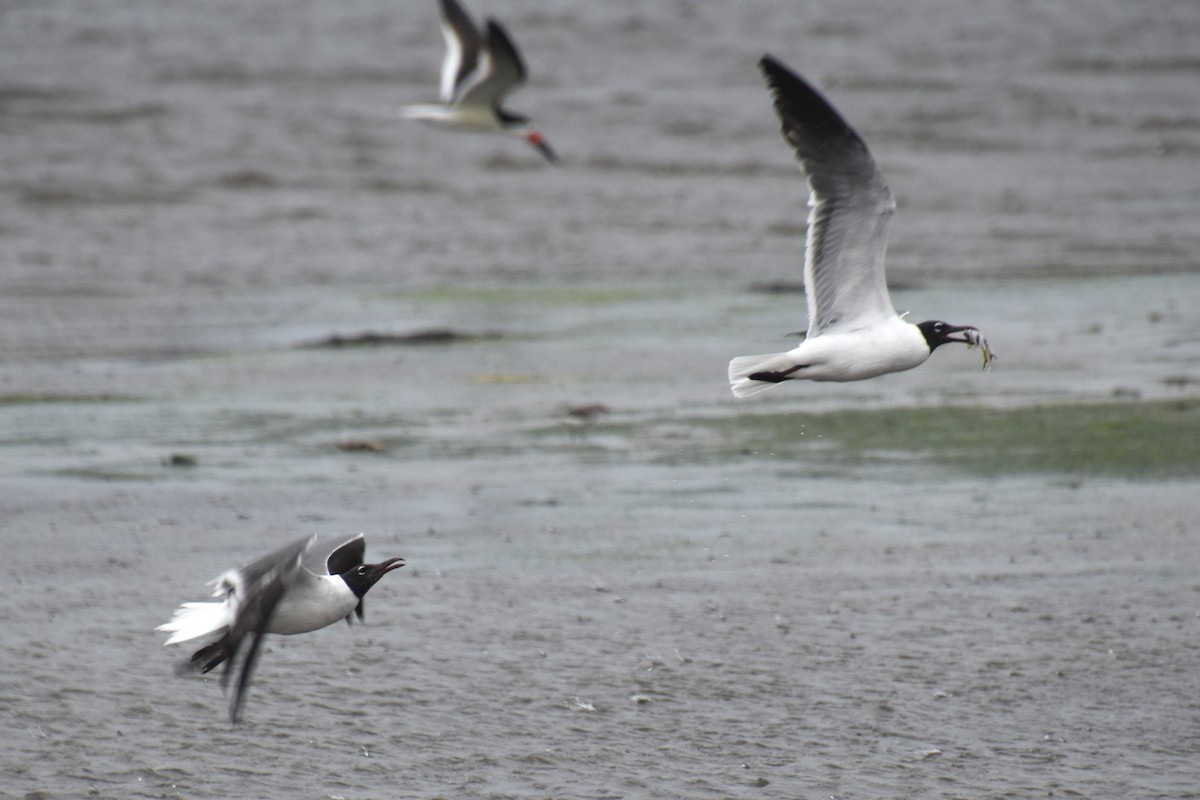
(638,606)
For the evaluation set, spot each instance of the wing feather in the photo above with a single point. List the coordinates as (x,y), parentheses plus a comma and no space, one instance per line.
(263,584)
(851,207)
(463,43)
(499,72)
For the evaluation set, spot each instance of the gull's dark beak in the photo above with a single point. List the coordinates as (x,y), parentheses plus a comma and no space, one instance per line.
(534,138)
(384,567)
(964,339)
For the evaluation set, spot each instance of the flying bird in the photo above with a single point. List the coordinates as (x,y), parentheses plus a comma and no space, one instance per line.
(300,587)
(480,70)
(854,332)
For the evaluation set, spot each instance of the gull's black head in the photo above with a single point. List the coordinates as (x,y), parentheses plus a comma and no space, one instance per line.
(361,578)
(938,333)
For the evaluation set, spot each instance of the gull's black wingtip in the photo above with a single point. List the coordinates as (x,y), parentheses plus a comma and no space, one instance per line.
(769,63)
(810,122)
(786,83)
(248,664)
(775,71)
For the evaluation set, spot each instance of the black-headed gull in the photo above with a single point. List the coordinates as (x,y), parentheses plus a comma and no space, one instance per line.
(479,71)
(854,333)
(301,587)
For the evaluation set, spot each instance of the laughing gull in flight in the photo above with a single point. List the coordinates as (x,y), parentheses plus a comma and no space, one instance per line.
(301,587)
(479,71)
(854,333)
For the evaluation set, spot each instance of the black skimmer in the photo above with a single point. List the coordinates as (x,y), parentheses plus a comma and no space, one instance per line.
(854,333)
(479,71)
(301,587)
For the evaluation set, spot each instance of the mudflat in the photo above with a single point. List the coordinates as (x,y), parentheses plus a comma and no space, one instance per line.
(243,302)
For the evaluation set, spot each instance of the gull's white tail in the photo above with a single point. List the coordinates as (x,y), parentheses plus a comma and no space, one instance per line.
(742,367)
(193,620)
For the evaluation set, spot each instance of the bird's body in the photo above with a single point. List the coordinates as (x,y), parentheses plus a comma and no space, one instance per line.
(312,603)
(301,587)
(892,345)
(854,333)
(470,118)
(480,69)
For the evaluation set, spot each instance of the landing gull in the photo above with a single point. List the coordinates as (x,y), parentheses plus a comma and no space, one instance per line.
(301,587)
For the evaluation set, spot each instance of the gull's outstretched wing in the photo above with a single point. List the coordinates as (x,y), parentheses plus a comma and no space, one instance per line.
(260,586)
(851,207)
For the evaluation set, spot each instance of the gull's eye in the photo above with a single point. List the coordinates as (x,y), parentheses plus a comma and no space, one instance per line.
(362,570)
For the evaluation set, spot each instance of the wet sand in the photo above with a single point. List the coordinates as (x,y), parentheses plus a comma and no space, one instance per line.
(654,602)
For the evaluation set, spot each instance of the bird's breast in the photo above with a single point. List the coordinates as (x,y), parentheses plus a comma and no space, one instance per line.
(865,353)
(313,604)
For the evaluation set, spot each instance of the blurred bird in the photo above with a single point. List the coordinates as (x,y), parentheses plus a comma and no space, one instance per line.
(479,71)
(301,587)
(581,416)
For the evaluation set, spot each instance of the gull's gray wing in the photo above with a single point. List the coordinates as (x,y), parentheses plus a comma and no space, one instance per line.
(851,207)
(268,566)
(263,584)
(463,42)
(334,556)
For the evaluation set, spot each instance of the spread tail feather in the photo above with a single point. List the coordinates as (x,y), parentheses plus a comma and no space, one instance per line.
(742,367)
(207,657)
(194,620)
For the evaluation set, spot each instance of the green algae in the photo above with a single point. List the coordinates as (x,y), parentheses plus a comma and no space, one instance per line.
(1139,440)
